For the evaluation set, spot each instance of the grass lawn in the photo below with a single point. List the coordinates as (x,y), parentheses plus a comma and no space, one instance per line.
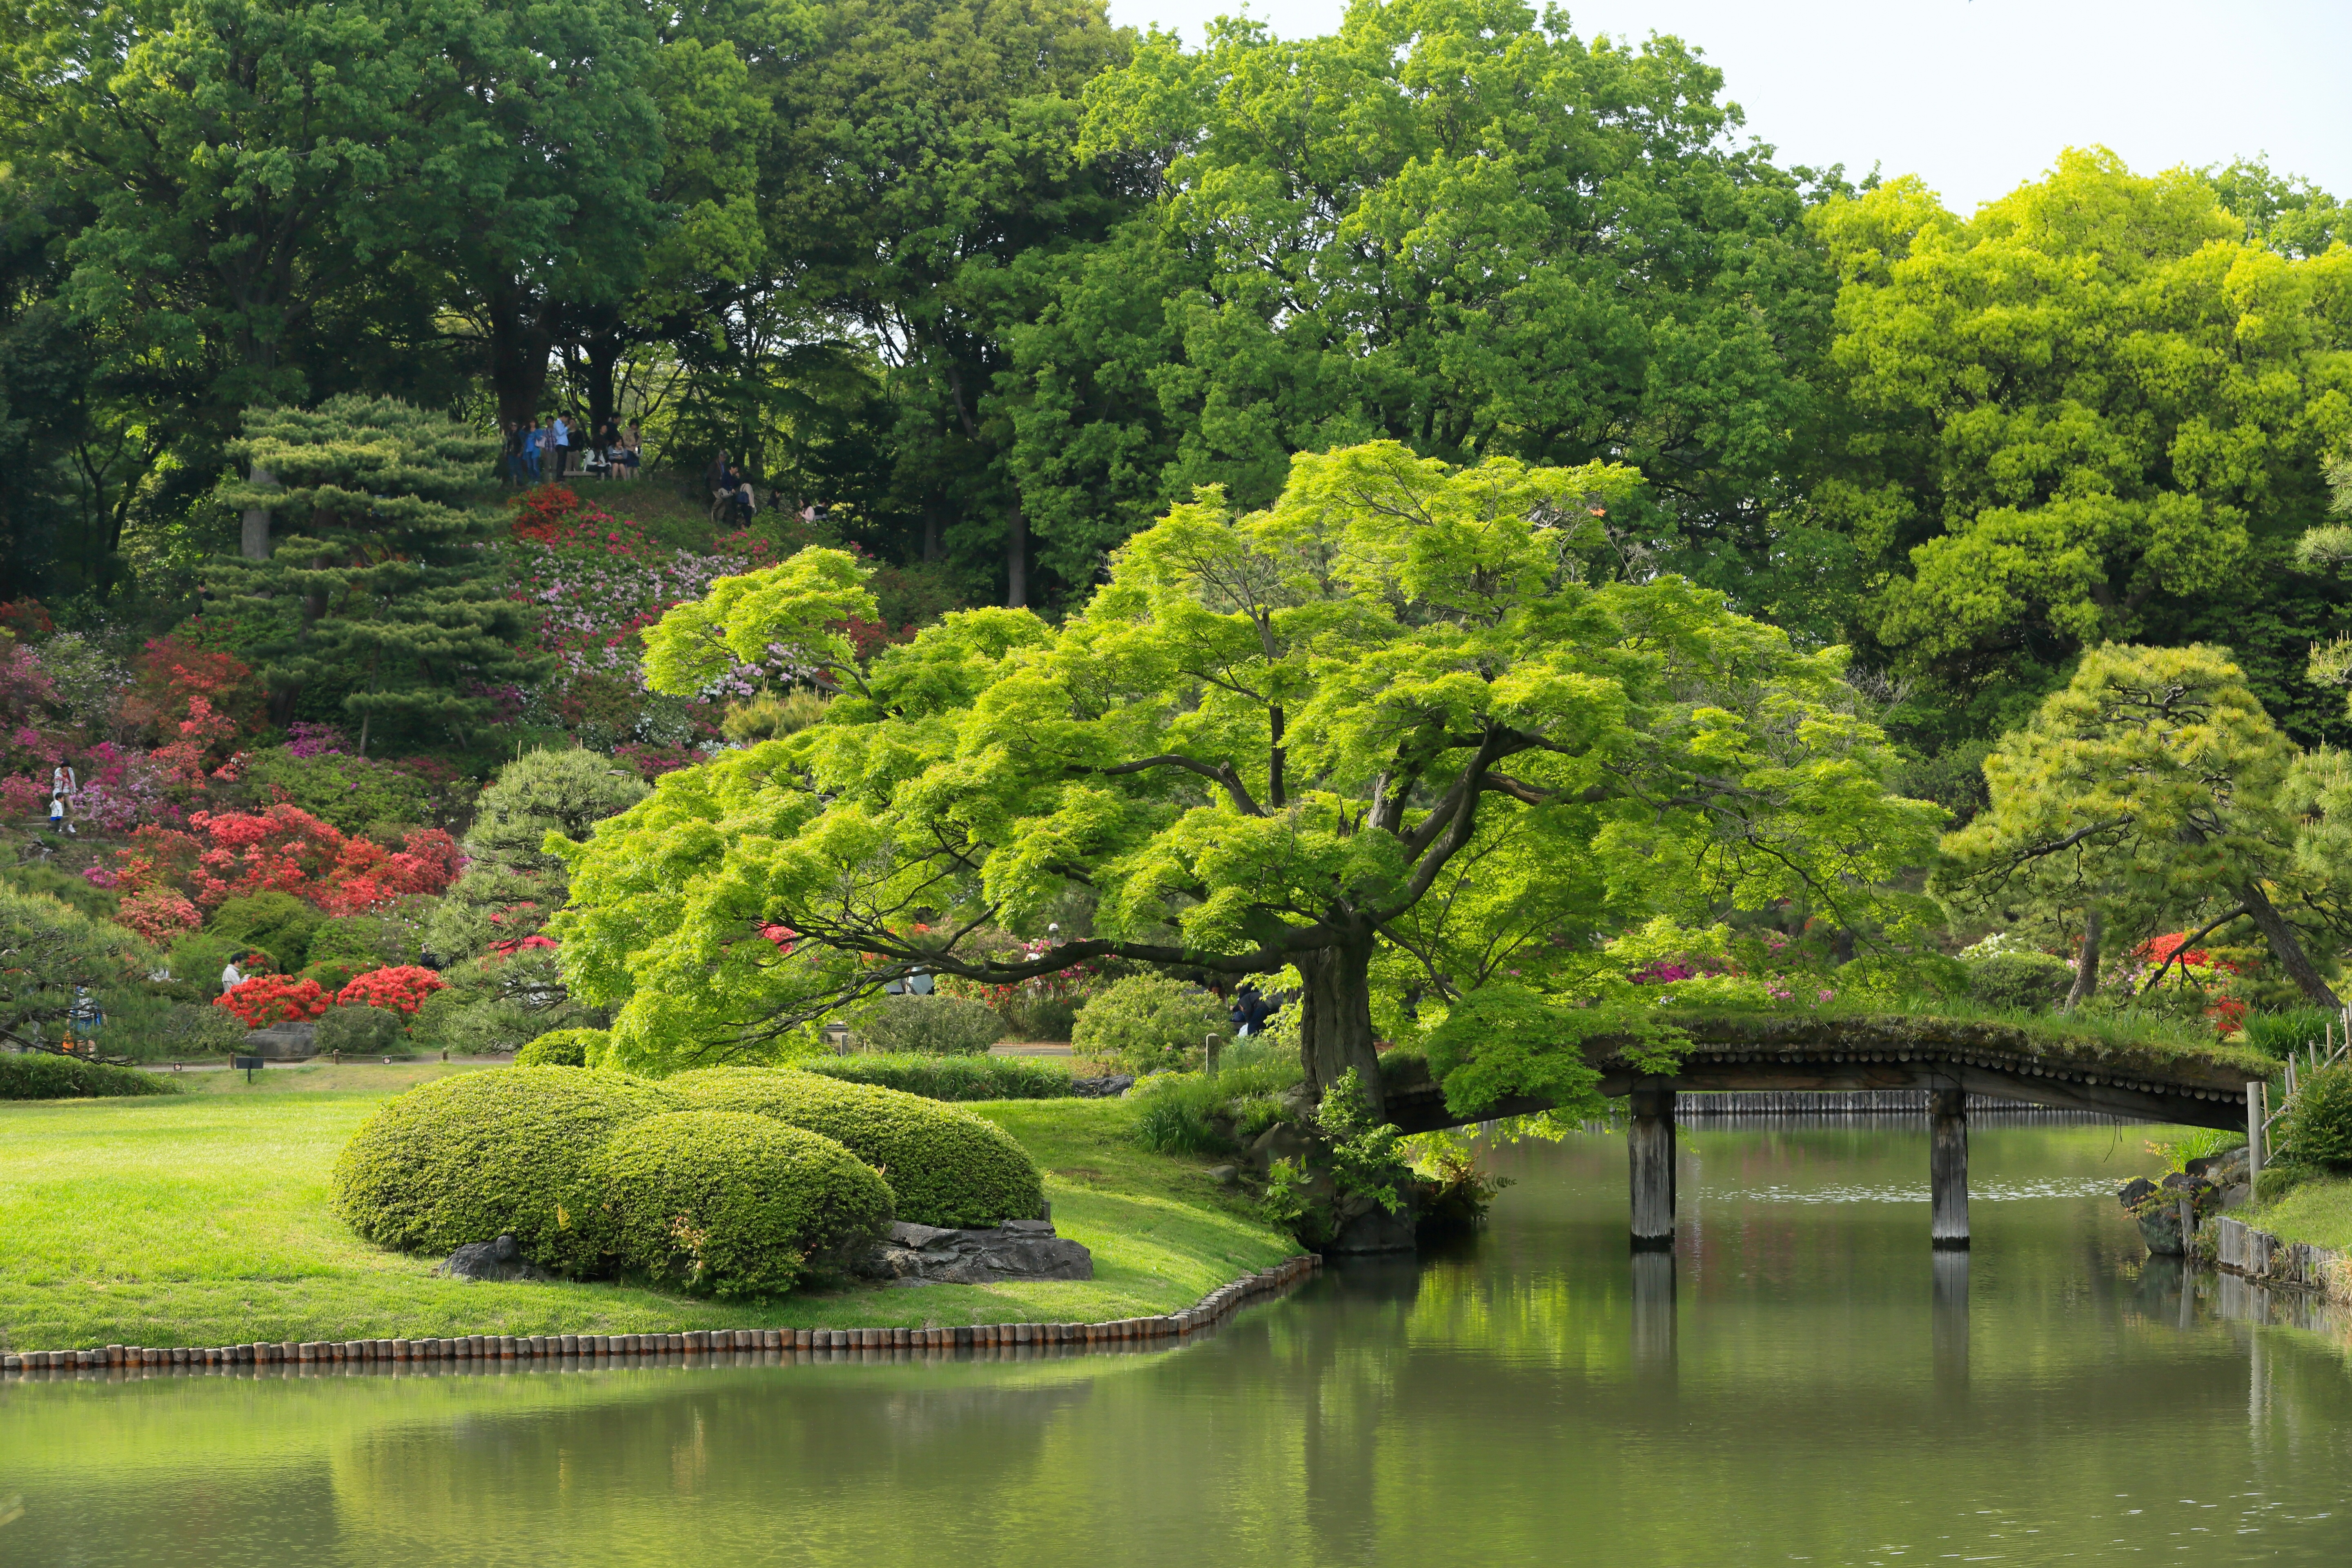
(203,1220)
(2318,1212)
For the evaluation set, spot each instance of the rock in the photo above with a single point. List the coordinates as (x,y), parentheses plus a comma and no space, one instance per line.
(1279,1141)
(282,1042)
(1108,1086)
(1366,1227)
(2159,1228)
(501,1259)
(1225,1175)
(1017,1249)
(2136,1191)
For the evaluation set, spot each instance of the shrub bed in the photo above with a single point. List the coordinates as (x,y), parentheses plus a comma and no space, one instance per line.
(1148,1022)
(945,1165)
(721,1203)
(36,1075)
(481,1154)
(953,1078)
(362,1031)
(931,1026)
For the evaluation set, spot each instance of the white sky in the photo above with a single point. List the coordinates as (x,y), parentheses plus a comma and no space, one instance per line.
(1978,96)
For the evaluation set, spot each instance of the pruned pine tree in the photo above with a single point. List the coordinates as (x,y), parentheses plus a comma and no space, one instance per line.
(390,570)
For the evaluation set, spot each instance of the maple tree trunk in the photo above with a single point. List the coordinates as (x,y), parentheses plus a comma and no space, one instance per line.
(1335,1021)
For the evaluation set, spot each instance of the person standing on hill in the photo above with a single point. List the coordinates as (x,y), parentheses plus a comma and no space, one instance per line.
(633,451)
(561,434)
(531,443)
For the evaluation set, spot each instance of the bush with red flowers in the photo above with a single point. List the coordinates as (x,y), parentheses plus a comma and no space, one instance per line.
(400,989)
(285,849)
(265,999)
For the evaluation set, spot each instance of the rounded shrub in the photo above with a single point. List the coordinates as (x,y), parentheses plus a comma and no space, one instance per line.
(2318,1124)
(1147,1022)
(945,1165)
(362,1031)
(931,1026)
(561,1048)
(333,974)
(509,1152)
(2029,982)
(722,1203)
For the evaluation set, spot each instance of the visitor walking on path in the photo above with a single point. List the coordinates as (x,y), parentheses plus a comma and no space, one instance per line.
(63,785)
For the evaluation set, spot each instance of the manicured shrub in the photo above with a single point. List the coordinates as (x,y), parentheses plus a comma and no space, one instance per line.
(37,1075)
(945,1165)
(402,988)
(561,1048)
(931,1026)
(333,974)
(1148,1022)
(2318,1125)
(953,1078)
(267,999)
(275,923)
(185,1029)
(513,1150)
(2029,982)
(362,1031)
(721,1203)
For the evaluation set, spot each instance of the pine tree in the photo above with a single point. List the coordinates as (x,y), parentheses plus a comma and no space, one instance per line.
(393,574)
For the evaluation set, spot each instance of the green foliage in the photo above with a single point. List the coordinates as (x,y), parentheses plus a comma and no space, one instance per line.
(768,717)
(2083,398)
(945,1166)
(1039,1016)
(278,924)
(933,1025)
(185,1029)
(561,1048)
(364,941)
(723,1203)
(1367,1156)
(2029,982)
(2198,1144)
(1193,1113)
(362,1031)
(1148,1022)
(2317,1128)
(53,951)
(37,1075)
(333,974)
(950,1077)
(492,1004)
(350,792)
(402,608)
(2280,1034)
(482,1154)
(512,884)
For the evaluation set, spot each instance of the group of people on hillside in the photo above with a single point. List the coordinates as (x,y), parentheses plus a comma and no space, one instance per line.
(64,785)
(731,494)
(553,449)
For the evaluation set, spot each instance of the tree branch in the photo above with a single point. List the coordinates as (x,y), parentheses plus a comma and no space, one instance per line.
(1220,773)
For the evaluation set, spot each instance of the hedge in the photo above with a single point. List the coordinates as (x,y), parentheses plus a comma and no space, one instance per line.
(482,1154)
(1147,1022)
(931,1026)
(945,1165)
(561,1048)
(720,1203)
(37,1075)
(953,1077)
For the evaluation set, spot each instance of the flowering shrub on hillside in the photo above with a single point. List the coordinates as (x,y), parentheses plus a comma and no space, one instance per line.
(226,855)
(265,999)
(158,914)
(400,989)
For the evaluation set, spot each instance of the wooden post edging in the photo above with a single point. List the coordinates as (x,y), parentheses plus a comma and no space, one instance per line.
(2239,1249)
(311,1358)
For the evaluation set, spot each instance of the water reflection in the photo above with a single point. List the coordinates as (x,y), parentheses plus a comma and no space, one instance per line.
(1796,1380)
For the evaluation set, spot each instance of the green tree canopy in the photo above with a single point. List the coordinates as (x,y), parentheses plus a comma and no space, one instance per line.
(2096,392)
(1282,740)
(387,590)
(48,951)
(511,883)
(2155,783)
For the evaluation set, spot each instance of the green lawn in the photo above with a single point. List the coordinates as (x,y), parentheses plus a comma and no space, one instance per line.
(2318,1212)
(203,1220)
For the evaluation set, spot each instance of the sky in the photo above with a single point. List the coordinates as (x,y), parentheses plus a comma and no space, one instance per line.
(1979,96)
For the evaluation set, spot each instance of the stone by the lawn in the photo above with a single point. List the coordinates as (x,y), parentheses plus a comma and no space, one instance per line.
(1108,1086)
(1017,1249)
(501,1259)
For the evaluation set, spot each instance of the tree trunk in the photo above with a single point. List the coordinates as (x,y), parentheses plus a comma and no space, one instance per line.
(1335,1017)
(2086,961)
(522,332)
(255,544)
(1016,561)
(603,352)
(931,527)
(2287,948)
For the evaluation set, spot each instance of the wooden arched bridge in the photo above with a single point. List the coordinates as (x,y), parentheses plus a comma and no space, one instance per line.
(1949,1058)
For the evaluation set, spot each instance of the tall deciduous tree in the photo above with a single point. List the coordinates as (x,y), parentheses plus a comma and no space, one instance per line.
(1272,742)
(385,583)
(1451,224)
(2096,396)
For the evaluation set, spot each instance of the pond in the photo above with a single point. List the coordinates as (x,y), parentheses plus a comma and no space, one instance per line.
(1800,1382)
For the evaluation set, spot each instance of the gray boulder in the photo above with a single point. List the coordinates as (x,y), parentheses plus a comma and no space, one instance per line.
(501,1259)
(1110,1086)
(1017,1249)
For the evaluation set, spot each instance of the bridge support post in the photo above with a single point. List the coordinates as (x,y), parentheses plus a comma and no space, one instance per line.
(1948,1166)
(1649,1152)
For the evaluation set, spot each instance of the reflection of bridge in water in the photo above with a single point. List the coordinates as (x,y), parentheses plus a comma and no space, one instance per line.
(1948,1060)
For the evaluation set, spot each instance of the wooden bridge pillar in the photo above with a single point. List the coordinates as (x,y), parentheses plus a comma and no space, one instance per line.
(1649,1152)
(1948,1166)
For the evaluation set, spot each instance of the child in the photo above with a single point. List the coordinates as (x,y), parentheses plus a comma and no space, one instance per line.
(57,814)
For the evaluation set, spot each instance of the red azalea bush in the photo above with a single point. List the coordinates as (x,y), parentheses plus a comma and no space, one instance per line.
(158,914)
(400,989)
(262,1000)
(285,849)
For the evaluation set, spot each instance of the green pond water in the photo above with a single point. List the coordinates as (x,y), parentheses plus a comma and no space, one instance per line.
(1801,1382)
